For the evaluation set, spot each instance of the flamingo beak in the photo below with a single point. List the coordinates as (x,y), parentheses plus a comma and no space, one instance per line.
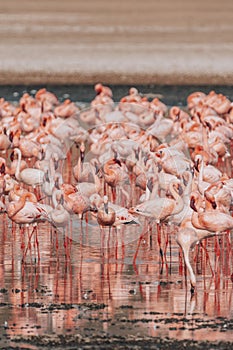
(12,156)
(56,163)
(117,161)
(46,176)
(62,200)
(44,122)
(131,210)
(210,199)
(150,185)
(11,136)
(136,151)
(2,168)
(56,184)
(192,204)
(180,190)
(82,155)
(160,168)
(196,164)
(106,208)
(185,182)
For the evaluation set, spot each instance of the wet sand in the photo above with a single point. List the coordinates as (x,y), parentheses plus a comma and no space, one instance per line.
(128,42)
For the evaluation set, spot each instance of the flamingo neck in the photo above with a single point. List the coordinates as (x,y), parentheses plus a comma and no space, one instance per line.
(205,140)
(200,175)
(178,200)
(17,171)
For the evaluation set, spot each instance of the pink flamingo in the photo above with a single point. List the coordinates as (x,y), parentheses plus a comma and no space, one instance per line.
(27,212)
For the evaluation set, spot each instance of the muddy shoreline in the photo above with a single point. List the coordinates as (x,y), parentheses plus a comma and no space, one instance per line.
(113,78)
(93,336)
(173,42)
(117,343)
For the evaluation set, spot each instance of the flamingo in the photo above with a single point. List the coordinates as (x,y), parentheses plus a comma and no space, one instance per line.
(58,216)
(5,142)
(23,211)
(27,212)
(186,212)
(102,89)
(17,192)
(161,128)
(208,218)
(78,168)
(172,160)
(66,109)
(160,208)
(74,202)
(122,215)
(220,196)
(106,216)
(207,174)
(205,222)
(29,176)
(187,237)
(113,175)
(13,165)
(48,99)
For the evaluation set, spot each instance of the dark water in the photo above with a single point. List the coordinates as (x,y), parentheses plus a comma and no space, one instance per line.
(82,286)
(169,94)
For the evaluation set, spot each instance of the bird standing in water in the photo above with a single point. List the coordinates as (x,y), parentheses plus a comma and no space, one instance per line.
(106,216)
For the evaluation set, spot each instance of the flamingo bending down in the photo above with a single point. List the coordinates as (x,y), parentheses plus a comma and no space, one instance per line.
(187,237)
(204,222)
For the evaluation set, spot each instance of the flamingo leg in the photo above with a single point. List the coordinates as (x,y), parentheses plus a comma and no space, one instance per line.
(28,244)
(37,244)
(138,245)
(159,240)
(207,257)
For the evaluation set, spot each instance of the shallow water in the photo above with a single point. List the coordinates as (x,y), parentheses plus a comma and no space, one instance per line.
(93,289)
(94,282)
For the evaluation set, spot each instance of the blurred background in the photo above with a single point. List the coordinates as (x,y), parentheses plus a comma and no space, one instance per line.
(116,42)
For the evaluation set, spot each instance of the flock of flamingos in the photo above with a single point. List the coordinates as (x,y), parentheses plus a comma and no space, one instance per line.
(134,162)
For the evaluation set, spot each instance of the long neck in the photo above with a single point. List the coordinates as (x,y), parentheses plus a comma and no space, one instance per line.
(205,140)
(188,187)
(54,197)
(200,176)
(96,179)
(178,200)
(17,171)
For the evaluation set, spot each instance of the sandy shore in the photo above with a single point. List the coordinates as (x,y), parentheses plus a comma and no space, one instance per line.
(169,42)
